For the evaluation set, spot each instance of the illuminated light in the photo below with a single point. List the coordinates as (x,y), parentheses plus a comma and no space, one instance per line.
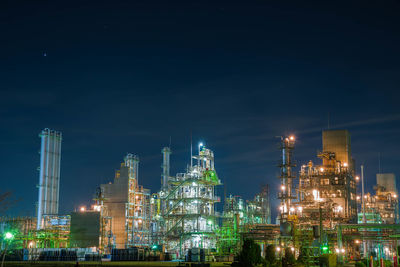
(300,209)
(200,145)
(8,235)
(281,208)
(209,222)
(357,241)
(291,138)
(345,164)
(395,196)
(337,250)
(196,238)
(365,196)
(31,244)
(321,169)
(194,184)
(339,209)
(283,188)
(315,194)
(292,248)
(358,197)
(325,248)
(278,249)
(137,197)
(82,209)
(357,178)
(140,220)
(291,209)
(343,250)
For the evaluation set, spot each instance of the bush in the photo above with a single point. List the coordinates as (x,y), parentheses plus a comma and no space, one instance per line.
(250,255)
(270,255)
(359,264)
(288,259)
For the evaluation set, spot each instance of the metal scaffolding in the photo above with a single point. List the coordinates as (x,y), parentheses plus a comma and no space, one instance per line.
(327,191)
(188,215)
(137,208)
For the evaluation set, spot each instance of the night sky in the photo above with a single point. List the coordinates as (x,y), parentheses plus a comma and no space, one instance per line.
(126,76)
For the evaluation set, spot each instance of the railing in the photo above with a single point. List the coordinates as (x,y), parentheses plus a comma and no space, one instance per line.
(175,225)
(174,206)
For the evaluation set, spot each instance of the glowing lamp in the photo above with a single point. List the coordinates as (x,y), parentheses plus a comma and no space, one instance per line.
(8,236)
(300,209)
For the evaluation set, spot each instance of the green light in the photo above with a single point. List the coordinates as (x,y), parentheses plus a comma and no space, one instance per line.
(8,236)
(325,248)
(154,247)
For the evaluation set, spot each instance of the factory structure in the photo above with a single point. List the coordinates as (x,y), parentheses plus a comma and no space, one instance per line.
(329,188)
(49,178)
(321,207)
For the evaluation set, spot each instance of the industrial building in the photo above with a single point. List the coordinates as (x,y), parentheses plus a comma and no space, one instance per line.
(241,217)
(85,229)
(49,177)
(328,190)
(188,213)
(318,209)
(383,206)
(128,204)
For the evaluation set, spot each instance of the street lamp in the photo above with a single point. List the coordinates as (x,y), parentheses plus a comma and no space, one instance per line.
(7,237)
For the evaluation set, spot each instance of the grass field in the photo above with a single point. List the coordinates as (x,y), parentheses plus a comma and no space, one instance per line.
(114,263)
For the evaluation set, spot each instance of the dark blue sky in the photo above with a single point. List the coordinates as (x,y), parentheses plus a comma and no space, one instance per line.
(124,76)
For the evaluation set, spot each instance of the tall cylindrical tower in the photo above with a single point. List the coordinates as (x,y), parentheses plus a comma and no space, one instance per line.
(286,177)
(49,177)
(166,151)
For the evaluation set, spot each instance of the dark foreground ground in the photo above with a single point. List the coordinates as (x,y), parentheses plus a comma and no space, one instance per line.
(114,264)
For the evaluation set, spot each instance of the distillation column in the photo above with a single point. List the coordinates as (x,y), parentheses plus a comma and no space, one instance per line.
(166,151)
(49,177)
(286,176)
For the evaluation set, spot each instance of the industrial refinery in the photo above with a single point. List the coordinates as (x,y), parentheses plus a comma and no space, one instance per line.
(324,212)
